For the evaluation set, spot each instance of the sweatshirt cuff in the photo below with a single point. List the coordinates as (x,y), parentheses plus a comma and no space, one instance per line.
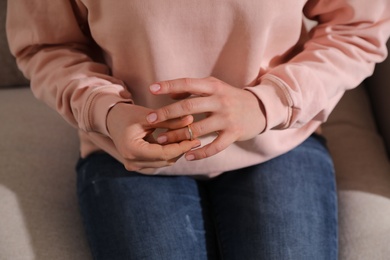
(276,102)
(99,103)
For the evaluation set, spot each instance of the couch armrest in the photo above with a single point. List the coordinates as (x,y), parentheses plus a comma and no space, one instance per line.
(378,87)
(38,203)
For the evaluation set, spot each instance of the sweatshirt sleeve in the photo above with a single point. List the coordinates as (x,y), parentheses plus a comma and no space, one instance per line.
(343,48)
(50,42)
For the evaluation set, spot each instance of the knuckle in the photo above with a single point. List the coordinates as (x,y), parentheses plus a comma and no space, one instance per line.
(168,85)
(216,84)
(131,167)
(187,105)
(237,129)
(173,136)
(165,112)
(200,154)
(128,155)
(225,102)
(206,153)
(211,78)
(165,156)
(188,81)
(231,120)
(214,148)
(197,130)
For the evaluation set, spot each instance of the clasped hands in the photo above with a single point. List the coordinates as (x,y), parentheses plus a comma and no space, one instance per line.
(235,114)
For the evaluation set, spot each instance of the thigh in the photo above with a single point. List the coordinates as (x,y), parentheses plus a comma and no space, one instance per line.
(133,216)
(282,209)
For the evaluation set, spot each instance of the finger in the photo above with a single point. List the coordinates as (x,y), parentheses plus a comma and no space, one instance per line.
(174,136)
(175,123)
(184,107)
(200,87)
(143,165)
(200,128)
(219,144)
(154,152)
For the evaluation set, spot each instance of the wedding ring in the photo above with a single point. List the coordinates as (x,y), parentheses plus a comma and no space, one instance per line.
(190,132)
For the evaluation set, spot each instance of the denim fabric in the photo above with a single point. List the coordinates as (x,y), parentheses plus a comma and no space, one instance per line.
(282,209)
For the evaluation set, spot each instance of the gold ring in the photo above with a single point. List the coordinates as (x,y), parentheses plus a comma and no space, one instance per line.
(190,132)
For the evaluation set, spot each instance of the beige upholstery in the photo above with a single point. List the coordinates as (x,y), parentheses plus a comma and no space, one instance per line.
(38,208)
(39,216)
(363,179)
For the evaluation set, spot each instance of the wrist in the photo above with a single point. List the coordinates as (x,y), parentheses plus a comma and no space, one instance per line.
(115,115)
(261,114)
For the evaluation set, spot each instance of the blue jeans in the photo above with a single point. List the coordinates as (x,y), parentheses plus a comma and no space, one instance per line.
(282,209)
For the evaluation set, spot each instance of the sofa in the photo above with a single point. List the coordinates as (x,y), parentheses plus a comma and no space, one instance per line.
(39,216)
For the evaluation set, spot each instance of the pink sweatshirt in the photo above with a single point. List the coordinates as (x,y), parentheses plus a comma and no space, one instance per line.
(255,44)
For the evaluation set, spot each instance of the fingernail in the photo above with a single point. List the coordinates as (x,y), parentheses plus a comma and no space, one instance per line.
(155,87)
(162,139)
(190,157)
(152,117)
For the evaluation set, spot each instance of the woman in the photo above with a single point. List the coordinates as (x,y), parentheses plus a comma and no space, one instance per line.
(199,120)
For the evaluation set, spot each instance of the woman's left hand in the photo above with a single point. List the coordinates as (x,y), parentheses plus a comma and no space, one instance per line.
(235,114)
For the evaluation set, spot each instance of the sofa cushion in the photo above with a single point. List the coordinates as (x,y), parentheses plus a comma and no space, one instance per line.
(363,178)
(38,205)
(364,226)
(358,149)
(9,73)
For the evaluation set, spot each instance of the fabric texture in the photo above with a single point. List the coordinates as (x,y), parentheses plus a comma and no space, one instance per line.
(363,179)
(38,205)
(298,81)
(364,225)
(251,213)
(368,166)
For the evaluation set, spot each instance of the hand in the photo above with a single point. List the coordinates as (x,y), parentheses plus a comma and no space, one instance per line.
(235,114)
(132,136)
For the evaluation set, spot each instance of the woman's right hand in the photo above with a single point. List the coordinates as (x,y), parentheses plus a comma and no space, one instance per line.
(132,136)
